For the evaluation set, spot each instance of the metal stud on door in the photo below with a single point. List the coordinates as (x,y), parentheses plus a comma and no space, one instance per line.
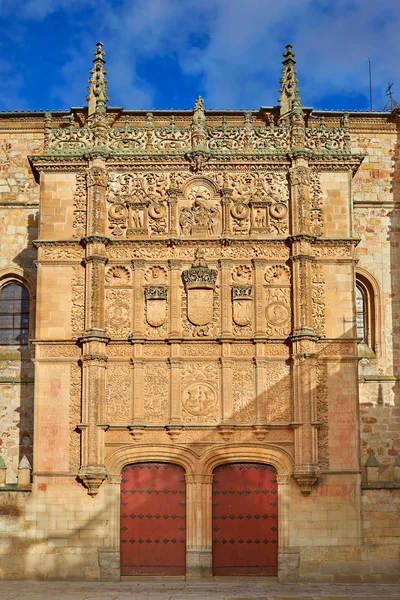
(245,520)
(153,519)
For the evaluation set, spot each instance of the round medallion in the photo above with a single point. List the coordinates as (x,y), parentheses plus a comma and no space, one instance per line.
(277,314)
(199,399)
(278,210)
(240,211)
(157,211)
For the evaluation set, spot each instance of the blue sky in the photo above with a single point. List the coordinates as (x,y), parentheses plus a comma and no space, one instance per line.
(163,53)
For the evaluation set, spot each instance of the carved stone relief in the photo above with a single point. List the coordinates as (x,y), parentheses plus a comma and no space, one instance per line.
(156,393)
(260,203)
(119,393)
(118,276)
(277,275)
(200,392)
(278,392)
(156,274)
(242,274)
(118,310)
(137,204)
(278,313)
(199,283)
(142,250)
(79,222)
(74,416)
(244,399)
(200,210)
(78,300)
(316,217)
(156,310)
(322,414)
(242,309)
(318,299)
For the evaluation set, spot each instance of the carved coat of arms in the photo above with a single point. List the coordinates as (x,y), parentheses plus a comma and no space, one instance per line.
(242,304)
(199,283)
(156,305)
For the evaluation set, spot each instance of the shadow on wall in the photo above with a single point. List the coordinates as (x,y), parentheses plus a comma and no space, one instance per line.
(16,366)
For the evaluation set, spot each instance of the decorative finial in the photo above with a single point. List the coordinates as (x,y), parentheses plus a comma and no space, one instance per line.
(289,92)
(199,130)
(97,96)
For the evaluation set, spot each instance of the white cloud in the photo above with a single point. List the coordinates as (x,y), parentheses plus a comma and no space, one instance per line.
(232,47)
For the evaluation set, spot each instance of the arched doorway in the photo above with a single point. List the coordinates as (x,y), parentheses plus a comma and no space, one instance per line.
(153,519)
(245,520)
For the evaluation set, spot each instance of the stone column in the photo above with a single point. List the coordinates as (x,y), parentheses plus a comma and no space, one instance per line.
(199,525)
(226,300)
(303,336)
(94,358)
(175,326)
(259,297)
(261,397)
(226,209)
(109,555)
(97,190)
(138,301)
(173,211)
(288,556)
(139,366)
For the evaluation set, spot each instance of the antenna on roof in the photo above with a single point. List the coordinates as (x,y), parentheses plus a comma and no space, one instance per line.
(391,104)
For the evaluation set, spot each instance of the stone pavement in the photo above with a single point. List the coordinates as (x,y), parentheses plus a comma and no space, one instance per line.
(181,590)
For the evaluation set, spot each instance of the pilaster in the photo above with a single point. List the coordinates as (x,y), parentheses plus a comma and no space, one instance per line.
(259,265)
(138,294)
(175,364)
(226,302)
(199,525)
(175,326)
(227,365)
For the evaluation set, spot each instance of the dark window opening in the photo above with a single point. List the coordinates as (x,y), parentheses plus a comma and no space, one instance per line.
(14,315)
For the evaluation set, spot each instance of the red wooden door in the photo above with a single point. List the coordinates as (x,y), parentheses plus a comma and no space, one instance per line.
(153,519)
(245,520)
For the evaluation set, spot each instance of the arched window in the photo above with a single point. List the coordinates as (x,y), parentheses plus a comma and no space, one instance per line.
(367,310)
(14,314)
(361,316)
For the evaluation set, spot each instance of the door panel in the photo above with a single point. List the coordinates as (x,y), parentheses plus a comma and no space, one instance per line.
(153,519)
(245,520)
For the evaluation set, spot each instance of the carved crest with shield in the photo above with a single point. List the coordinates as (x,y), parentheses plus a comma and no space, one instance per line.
(199,283)
(242,300)
(156,305)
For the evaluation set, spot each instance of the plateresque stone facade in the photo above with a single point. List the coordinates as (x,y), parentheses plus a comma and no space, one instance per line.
(192,280)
